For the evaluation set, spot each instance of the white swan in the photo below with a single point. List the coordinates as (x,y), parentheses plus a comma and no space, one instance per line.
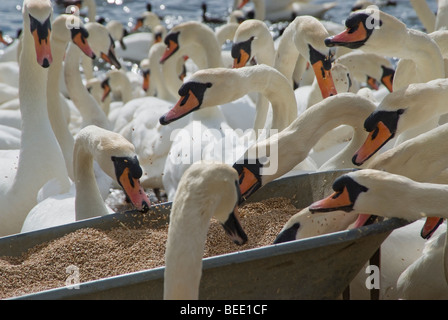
(405,159)
(205,90)
(401,111)
(206,190)
(60,37)
(377,32)
(381,193)
(276,156)
(366,66)
(116,157)
(101,44)
(308,36)
(288,11)
(154,80)
(198,38)
(39,147)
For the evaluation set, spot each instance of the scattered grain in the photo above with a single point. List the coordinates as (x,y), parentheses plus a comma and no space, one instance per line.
(105,253)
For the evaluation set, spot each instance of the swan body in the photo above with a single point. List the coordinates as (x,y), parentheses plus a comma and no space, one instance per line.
(308,35)
(60,38)
(38,144)
(89,109)
(206,190)
(116,157)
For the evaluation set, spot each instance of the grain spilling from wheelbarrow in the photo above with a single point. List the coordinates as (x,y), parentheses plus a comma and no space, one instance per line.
(100,254)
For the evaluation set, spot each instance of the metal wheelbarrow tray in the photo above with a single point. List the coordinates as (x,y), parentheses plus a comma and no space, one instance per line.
(315,268)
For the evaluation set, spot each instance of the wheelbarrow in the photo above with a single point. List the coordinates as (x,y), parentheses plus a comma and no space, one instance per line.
(320,267)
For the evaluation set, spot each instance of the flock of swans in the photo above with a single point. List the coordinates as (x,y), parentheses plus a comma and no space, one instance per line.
(206,124)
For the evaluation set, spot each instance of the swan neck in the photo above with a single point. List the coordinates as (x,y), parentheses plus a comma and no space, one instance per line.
(55,114)
(185,248)
(90,110)
(88,201)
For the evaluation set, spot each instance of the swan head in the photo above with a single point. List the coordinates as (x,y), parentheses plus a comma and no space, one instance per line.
(309,39)
(369,30)
(252,40)
(250,178)
(382,127)
(128,173)
(37,17)
(149,19)
(371,192)
(102,43)
(207,184)
(116,157)
(304,224)
(191,96)
(68,27)
(346,192)
(189,37)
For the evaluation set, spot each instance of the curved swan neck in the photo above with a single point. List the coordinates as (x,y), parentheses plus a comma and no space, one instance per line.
(40,155)
(287,54)
(185,248)
(88,201)
(55,114)
(275,88)
(424,52)
(296,141)
(88,107)
(424,13)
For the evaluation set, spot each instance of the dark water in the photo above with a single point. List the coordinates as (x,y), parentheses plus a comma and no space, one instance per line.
(176,11)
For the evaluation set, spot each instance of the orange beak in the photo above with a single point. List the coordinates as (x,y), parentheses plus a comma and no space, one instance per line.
(134,191)
(184,106)
(374,141)
(388,78)
(146,80)
(43,49)
(242,4)
(241,61)
(2,40)
(111,58)
(324,80)
(82,43)
(248,182)
(171,48)
(138,25)
(348,36)
(372,83)
(106,91)
(336,201)
(430,226)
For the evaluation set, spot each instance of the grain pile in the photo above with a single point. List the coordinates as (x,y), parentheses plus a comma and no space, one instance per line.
(100,254)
